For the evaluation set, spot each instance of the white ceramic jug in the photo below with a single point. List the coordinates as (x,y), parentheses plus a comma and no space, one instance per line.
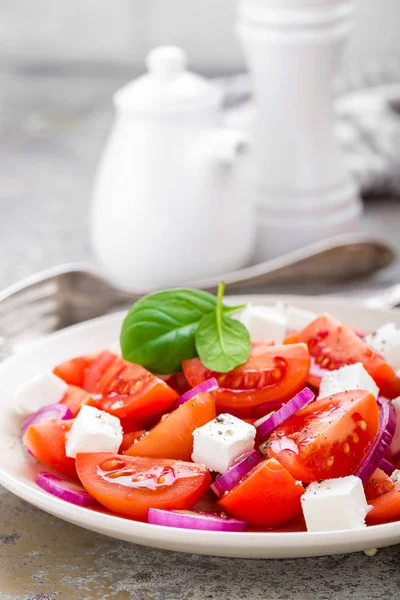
(304,192)
(170,203)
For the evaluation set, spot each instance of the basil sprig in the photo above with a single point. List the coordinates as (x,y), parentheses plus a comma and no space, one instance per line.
(159,331)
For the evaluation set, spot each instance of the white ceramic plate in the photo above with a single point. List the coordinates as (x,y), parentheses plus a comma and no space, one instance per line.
(17,470)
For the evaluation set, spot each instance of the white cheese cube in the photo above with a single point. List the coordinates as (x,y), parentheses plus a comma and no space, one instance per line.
(335,504)
(394,447)
(297,318)
(115,348)
(395,476)
(43,389)
(219,442)
(264,323)
(386,341)
(350,377)
(93,431)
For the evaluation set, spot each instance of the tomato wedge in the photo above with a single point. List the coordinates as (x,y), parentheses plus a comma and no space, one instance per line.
(46,441)
(96,369)
(333,345)
(73,371)
(172,437)
(129,438)
(378,484)
(130,485)
(133,394)
(386,506)
(272,374)
(327,438)
(266,497)
(75,397)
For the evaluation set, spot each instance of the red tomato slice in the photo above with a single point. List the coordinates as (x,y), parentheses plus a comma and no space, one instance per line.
(75,397)
(129,438)
(130,485)
(385,507)
(272,374)
(378,484)
(73,371)
(333,345)
(327,438)
(133,394)
(177,381)
(172,437)
(46,441)
(95,371)
(266,497)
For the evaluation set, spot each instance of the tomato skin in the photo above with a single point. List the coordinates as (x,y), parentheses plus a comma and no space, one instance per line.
(75,398)
(133,394)
(327,438)
(72,371)
(243,391)
(385,507)
(268,496)
(128,439)
(333,345)
(172,437)
(183,483)
(95,371)
(378,484)
(46,441)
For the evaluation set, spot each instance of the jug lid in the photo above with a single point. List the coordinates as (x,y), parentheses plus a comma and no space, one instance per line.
(168,86)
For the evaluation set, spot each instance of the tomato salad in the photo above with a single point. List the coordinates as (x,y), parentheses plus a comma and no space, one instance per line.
(237,435)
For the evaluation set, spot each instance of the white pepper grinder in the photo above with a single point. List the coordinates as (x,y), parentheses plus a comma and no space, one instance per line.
(302,188)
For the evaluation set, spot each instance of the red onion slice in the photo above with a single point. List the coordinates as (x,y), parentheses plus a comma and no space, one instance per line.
(47,413)
(387,427)
(387,466)
(207,386)
(187,519)
(64,489)
(236,472)
(266,426)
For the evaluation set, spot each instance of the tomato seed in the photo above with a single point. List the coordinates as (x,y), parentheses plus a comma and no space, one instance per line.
(346,448)
(356,439)
(113,463)
(161,479)
(330,461)
(362,425)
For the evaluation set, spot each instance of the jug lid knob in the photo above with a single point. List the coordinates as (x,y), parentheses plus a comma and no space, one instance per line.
(166,61)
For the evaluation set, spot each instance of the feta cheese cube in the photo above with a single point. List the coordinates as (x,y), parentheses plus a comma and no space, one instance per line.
(394,447)
(264,323)
(335,504)
(395,476)
(43,389)
(386,341)
(219,442)
(115,348)
(93,431)
(297,318)
(350,377)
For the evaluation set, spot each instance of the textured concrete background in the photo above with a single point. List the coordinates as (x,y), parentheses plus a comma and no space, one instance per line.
(52,127)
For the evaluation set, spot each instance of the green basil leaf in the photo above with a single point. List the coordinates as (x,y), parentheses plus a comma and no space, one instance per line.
(222,343)
(158,331)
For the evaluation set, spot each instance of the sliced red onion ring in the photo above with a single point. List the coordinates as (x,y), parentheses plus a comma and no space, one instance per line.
(236,472)
(207,386)
(47,413)
(187,519)
(387,427)
(64,489)
(266,426)
(387,466)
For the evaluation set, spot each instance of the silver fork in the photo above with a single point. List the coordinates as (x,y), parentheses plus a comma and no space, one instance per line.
(54,299)
(69,294)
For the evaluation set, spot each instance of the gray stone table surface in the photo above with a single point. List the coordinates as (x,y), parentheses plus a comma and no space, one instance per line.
(52,128)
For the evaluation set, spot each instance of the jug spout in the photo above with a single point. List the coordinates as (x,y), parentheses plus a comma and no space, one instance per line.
(221,147)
